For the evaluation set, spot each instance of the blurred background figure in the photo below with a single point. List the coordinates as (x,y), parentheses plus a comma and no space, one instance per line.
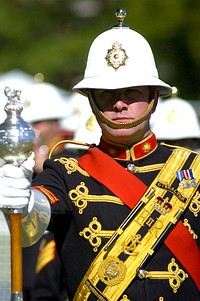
(44,108)
(176,122)
(87,129)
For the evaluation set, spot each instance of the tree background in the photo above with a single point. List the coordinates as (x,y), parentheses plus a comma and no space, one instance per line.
(53,37)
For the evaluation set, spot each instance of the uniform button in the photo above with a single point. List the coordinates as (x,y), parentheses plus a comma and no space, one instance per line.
(131,167)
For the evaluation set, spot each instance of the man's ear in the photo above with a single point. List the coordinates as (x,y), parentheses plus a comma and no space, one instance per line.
(156,96)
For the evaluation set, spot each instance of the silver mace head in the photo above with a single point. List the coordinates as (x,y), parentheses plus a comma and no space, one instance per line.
(16,135)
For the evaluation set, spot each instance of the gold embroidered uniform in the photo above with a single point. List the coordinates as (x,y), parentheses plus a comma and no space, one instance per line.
(86,214)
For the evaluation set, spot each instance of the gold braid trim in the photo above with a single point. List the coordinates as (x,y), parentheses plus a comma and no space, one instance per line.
(67,142)
(46,255)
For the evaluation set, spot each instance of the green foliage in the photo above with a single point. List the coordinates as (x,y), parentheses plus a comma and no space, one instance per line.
(47,36)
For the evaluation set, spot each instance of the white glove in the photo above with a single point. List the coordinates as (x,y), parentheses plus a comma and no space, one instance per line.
(15,183)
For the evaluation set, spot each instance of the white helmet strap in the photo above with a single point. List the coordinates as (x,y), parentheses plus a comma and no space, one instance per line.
(119,125)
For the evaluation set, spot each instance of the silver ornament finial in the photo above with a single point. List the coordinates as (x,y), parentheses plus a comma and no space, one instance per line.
(12,94)
(16,135)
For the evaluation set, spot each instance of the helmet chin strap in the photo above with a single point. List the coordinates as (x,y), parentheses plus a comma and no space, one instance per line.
(120,125)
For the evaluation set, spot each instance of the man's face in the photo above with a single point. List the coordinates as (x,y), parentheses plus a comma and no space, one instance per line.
(123,105)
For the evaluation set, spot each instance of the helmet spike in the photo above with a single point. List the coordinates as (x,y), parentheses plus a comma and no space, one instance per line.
(120,15)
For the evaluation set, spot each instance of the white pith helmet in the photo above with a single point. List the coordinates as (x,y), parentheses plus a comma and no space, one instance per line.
(175,119)
(120,58)
(44,101)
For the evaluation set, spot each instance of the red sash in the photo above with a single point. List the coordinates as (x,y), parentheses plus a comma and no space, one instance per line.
(179,241)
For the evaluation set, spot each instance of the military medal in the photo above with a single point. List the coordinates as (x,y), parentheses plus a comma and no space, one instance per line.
(186,178)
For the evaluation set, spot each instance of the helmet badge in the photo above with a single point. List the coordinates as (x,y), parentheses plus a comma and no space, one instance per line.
(116,56)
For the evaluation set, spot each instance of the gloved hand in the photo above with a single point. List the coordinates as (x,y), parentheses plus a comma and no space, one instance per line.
(15,183)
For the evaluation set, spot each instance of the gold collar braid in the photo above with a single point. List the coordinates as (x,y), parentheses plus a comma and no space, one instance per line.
(120,125)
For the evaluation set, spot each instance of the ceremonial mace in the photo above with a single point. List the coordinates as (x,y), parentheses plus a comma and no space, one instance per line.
(16,144)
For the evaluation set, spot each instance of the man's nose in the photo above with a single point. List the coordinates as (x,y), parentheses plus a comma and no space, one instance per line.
(120,102)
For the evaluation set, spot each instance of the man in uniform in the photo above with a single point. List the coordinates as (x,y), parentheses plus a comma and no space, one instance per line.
(125,215)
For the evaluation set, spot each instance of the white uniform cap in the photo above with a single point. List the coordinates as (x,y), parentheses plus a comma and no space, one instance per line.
(87,129)
(76,103)
(44,101)
(175,119)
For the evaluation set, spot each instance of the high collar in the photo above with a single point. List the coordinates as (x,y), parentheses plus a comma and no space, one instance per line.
(135,152)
